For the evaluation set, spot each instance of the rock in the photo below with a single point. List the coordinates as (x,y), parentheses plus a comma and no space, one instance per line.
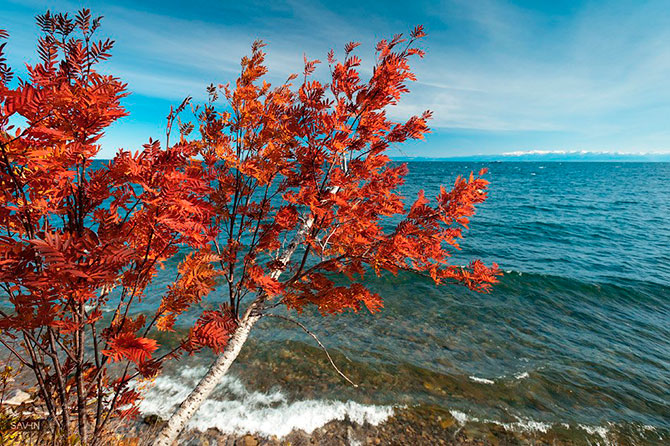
(16,397)
(249,440)
(447,423)
(152,419)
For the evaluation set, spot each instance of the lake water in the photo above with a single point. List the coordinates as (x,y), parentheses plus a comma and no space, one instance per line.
(576,336)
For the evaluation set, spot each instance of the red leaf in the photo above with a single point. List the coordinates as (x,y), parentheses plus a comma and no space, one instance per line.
(127,346)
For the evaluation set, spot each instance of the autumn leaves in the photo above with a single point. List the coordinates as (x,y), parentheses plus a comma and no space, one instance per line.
(269,194)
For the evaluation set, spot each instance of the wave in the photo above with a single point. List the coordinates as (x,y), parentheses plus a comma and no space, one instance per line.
(481,380)
(237,410)
(521,376)
(517,377)
(529,425)
(616,284)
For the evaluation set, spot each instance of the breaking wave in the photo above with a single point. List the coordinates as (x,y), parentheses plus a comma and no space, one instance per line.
(236,410)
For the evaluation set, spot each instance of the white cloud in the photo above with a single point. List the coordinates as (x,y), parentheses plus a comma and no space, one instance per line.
(598,74)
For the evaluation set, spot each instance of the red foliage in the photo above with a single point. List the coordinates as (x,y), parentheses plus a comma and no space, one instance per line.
(286,195)
(305,190)
(79,238)
(213,329)
(127,346)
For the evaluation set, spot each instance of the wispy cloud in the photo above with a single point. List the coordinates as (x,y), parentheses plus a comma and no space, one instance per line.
(592,75)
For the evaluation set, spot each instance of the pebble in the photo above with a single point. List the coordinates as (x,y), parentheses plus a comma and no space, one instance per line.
(249,440)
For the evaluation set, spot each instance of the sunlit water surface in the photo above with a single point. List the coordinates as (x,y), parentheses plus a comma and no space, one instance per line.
(576,335)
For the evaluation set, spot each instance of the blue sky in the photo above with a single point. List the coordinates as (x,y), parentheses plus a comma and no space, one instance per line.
(500,76)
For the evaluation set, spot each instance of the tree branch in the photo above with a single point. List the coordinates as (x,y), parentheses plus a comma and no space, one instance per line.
(306,330)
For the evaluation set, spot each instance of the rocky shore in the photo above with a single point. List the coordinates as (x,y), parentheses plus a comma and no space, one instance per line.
(423,425)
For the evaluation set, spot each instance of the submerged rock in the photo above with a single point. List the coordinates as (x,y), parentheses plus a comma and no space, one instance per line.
(249,440)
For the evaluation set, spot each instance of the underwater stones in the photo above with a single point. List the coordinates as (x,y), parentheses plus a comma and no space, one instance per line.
(249,440)
(446,423)
(152,419)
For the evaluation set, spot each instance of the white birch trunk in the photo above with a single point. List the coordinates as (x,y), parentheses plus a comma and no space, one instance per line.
(205,387)
(176,423)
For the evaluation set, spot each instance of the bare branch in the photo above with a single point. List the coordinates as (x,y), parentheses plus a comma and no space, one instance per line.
(323,347)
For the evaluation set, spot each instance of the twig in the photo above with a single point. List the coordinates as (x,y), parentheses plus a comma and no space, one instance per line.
(18,356)
(323,347)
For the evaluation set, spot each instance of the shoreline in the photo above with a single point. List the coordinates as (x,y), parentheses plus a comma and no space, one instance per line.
(414,425)
(419,425)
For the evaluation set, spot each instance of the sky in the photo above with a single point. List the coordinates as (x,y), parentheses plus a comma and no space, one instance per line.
(500,77)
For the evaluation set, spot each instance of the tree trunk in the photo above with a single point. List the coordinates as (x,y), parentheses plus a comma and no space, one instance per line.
(206,386)
(190,405)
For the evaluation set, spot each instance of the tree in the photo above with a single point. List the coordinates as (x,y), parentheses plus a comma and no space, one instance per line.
(80,239)
(303,192)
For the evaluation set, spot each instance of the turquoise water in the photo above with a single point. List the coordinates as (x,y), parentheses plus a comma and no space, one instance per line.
(576,335)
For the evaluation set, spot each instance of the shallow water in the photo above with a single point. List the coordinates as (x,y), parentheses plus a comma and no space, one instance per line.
(576,335)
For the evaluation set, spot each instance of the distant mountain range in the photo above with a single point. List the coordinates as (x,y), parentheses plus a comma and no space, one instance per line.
(547,156)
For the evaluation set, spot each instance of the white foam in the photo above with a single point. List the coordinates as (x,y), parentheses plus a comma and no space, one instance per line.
(597,430)
(236,410)
(525,426)
(481,380)
(529,425)
(462,418)
(522,425)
